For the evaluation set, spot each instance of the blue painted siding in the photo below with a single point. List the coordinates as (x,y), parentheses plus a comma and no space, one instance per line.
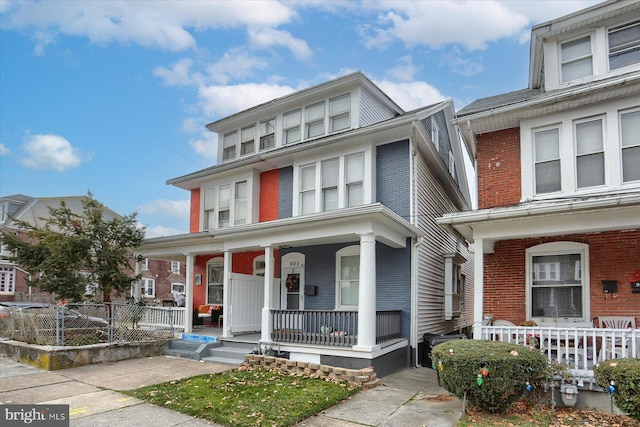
(393,176)
(393,278)
(285,193)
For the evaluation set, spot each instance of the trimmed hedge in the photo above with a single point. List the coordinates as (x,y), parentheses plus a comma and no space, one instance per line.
(493,375)
(625,374)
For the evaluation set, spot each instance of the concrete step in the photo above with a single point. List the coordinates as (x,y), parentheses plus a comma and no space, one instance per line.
(189,348)
(228,352)
(223,360)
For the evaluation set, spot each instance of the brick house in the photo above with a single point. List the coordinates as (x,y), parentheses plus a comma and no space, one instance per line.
(557,231)
(317,227)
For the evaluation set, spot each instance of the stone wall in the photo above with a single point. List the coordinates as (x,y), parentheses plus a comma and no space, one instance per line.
(361,378)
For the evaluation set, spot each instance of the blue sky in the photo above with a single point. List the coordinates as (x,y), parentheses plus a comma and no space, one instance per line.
(112,97)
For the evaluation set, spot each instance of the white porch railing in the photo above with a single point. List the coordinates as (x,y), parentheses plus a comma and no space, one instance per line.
(580,348)
(165,317)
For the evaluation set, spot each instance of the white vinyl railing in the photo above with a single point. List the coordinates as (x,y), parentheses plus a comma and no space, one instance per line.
(580,348)
(166,317)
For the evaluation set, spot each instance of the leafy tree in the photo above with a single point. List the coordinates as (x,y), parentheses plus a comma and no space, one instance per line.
(72,251)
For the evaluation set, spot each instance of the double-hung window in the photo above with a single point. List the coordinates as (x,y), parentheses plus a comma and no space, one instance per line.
(291,126)
(147,288)
(354,165)
(314,120)
(348,278)
(330,174)
(267,134)
(177,287)
(229,146)
(576,59)
(144,264)
(557,286)
(339,113)
(175,266)
(547,160)
(224,202)
(435,133)
(240,203)
(624,45)
(247,140)
(308,189)
(209,219)
(630,139)
(7,280)
(589,152)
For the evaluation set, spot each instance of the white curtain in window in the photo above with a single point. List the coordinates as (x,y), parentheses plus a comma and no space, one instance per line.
(349,279)
(307,189)
(590,157)
(576,59)
(547,167)
(630,133)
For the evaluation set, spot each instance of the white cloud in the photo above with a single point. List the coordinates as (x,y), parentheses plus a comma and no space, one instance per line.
(267,37)
(179,74)
(405,71)
(178,209)
(158,24)
(50,152)
(206,145)
(42,39)
(217,101)
(4,150)
(235,63)
(411,95)
(459,64)
(161,231)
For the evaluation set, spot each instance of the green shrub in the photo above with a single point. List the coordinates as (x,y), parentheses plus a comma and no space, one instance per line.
(625,373)
(492,375)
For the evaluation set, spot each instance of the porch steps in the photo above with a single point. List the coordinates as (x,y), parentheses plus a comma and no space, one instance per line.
(190,346)
(229,352)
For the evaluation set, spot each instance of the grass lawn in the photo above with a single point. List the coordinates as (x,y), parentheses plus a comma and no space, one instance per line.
(247,397)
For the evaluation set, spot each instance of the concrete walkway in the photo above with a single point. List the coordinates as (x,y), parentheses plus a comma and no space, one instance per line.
(408,398)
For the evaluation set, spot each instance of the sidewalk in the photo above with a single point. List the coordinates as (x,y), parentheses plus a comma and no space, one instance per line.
(407,398)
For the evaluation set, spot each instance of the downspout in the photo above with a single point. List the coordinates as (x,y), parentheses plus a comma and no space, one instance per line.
(474,203)
(417,241)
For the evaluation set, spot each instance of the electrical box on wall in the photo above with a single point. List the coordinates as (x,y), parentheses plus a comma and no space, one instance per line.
(310,290)
(609,286)
(635,287)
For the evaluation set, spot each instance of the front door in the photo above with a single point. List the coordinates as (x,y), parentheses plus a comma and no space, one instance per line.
(292,281)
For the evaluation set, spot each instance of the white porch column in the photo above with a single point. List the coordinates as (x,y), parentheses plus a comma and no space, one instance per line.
(137,289)
(478,286)
(267,321)
(367,294)
(188,294)
(226,296)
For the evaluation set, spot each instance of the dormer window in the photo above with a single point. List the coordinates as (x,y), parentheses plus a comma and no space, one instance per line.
(291,127)
(576,59)
(314,120)
(435,133)
(624,45)
(339,109)
(247,140)
(229,146)
(267,134)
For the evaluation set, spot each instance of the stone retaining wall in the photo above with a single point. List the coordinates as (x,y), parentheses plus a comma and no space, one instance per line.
(51,358)
(361,378)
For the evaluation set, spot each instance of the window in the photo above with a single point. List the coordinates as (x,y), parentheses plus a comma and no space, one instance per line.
(240,207)
(177,287)
(229,146)
(147,288)
(314,120)
(215,281)
(452,164)
(7,280)
(589,153)
(145,264)
(175,266)
(224,200)
(4,212)
(339,117)
(308,189)
(576,59)
(630,137)
(547,160)
(624,45)
(435,133)
(354,165)
(348,278)
(267,134)
(330,170)
(247,140)
(259,265)
(291,127)
(209,217)
(557,286)
(454,284)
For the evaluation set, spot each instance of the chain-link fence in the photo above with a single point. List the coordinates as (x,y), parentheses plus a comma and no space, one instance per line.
(84,324)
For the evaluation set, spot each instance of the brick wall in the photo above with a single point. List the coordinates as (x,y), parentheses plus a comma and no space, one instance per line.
(613,255)
(194,214)
(269,195)
(499,168)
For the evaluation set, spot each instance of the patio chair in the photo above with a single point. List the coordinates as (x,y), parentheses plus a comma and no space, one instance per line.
(504,335)
(619,345)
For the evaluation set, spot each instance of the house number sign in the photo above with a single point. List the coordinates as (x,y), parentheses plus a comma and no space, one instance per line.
(296,263)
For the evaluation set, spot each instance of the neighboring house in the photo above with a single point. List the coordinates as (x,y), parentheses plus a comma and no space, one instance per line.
(160,277)
(317,228)
(557,231)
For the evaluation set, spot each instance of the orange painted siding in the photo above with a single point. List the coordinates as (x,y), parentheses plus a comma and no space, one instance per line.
(194,215)
(269,182)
